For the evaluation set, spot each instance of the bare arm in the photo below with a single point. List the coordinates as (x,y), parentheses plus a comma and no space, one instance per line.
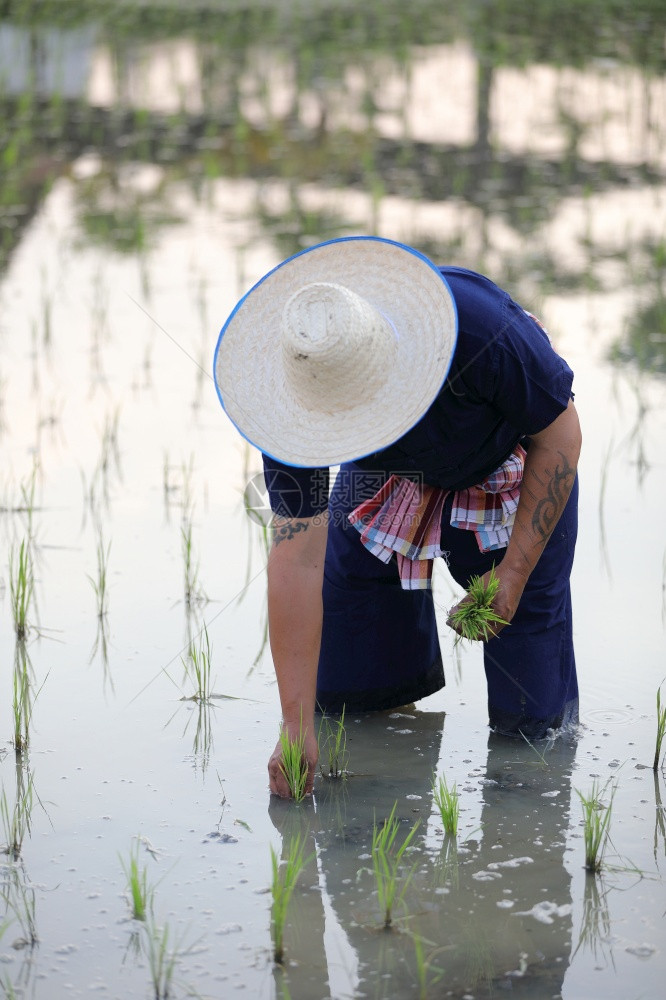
(295,578)
(550,470)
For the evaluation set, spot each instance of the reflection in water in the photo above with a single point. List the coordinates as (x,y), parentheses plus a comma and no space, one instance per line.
(595,928)
(659,820)
(491,913)
(100,647)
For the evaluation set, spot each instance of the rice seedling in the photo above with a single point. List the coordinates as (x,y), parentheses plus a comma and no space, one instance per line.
(16,822)
(596,825)
(285,876)
(139,889)
(21,586)
(661,730)
(99,582)
(474,617)
(293,764)
(447,801)
(198,667)
(334,748)
(386,863)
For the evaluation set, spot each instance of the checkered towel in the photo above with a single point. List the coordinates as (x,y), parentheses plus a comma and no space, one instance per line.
(405,518)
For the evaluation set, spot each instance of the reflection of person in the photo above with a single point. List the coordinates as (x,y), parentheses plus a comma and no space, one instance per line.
(452,419)
(493,912)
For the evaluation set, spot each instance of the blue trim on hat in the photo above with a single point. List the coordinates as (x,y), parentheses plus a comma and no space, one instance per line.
(288,260)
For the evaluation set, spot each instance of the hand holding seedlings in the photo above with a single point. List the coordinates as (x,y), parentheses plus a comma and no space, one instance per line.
(489,605)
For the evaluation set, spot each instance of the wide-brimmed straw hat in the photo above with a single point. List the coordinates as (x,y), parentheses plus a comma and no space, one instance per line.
(337,352)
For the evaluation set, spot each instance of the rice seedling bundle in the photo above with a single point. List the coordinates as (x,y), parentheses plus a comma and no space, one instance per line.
(474,618)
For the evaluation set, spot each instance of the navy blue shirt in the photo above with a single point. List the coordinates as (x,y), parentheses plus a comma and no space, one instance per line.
(505,382)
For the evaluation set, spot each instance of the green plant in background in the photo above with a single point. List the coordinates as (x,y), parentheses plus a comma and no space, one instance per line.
(285,876)
(447,801)
(16,822)
(386,863)
(596,825)
(141,893)
(661,730)
(334,748)
(474,617)
(99,582)
(21,585)
(293,764)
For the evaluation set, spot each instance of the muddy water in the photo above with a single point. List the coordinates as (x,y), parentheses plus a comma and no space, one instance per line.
(127,239)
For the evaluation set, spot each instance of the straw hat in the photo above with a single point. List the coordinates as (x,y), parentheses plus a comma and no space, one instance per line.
(337,352)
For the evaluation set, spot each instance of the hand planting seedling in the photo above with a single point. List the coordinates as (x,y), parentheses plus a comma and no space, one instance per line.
(475,616)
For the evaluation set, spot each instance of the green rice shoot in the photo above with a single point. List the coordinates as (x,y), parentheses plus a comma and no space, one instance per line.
(474,618)
(285,876)
(387,859)
(596,825)
(198,667)
(447,801)
(661,730)
(293,764)
(21,585)
(139,890)
(334,748)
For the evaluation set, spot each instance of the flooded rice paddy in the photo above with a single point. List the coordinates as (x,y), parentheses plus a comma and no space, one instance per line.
(156,161)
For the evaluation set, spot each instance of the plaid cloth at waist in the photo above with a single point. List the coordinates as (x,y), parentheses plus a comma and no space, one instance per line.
(405,518)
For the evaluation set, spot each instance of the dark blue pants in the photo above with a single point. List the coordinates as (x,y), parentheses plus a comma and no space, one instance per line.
(380,647)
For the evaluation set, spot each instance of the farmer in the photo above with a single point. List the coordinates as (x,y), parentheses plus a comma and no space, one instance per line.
(452,420)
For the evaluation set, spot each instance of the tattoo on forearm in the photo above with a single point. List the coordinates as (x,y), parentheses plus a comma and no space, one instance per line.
(287,531)
(547,511)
